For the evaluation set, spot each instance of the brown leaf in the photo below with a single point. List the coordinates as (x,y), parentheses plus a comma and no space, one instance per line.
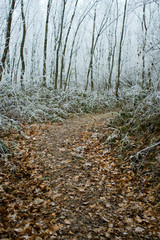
(38,201)
(138,219)
(151,198)
(108,235)
(67,222)
(139,229)
(54,228)
(128,220)
(81,189)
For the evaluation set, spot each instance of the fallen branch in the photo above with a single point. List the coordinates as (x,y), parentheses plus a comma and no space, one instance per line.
(144,151)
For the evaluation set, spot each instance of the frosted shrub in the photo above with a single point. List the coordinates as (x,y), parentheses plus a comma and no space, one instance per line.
(46,104)
(141,110)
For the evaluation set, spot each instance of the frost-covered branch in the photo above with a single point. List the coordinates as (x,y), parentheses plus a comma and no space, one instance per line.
(144,151)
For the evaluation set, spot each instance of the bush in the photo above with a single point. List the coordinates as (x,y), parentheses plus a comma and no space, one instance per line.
(45,104)
(140,111)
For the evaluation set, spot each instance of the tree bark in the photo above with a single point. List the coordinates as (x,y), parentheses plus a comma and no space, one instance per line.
(95,41)
(45,43)
(120,50)
(65,45)
(90,69)
(113,52)
(73,43)
(7,39)
(144,29)
(59,45)
(22,45)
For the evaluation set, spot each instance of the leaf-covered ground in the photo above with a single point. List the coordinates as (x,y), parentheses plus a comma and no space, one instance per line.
(69,181)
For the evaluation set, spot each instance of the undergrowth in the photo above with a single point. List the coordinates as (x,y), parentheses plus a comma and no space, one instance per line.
(40,105)
(140,113)
(45,104)
(138,123)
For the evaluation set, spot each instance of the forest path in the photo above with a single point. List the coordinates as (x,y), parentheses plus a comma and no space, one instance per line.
(56,140)
(71,185)
(78,181)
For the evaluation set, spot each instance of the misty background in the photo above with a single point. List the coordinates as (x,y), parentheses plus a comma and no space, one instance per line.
(89,45)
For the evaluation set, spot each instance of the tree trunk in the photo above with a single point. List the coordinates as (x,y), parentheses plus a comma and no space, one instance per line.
(7,39)
(144,29)
(65,45)
(94,42)
(90,68)
(45,43)
(59,44)
(70,58)
(22,45)
(113,52)
(120,50)
(73,43)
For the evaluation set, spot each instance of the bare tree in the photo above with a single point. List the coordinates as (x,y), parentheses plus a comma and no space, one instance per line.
(90,69)
(81,19)
(144,30)
(94,42)
(45,42)
(22,44)
(7,38)
(113,50)
(120,49)
(65,44)
(59,45)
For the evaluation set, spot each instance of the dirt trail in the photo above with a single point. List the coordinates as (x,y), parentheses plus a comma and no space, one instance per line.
(53,137)
(76,181)
(70,186)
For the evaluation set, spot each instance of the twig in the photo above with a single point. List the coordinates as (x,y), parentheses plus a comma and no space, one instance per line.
(144,151)
(114,129)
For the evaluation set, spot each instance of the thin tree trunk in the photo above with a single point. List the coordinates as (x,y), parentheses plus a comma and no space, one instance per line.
(22,45)
(94,42)
(70,58)
(114,50)
(32,70)
(65,45)
(90,68)
(7,39)
(92,51)
(45,43)
(144,29)
(75,69)
(59,45)
(120,50)
(13,64)
(72,47)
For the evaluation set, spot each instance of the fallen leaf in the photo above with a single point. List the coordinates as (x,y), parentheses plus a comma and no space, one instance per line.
(138,219)
(67,222)
(151,198)
(54,228)
(81,189)
(38,201)
(139,229)
(128,220)
(108,235)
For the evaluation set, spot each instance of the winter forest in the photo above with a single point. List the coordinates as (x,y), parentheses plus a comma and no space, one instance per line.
(79,119)
(88,45)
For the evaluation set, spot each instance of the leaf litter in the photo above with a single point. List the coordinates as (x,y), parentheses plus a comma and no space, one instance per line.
(68,181)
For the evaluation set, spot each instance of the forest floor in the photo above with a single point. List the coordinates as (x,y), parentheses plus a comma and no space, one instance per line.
(66,181)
